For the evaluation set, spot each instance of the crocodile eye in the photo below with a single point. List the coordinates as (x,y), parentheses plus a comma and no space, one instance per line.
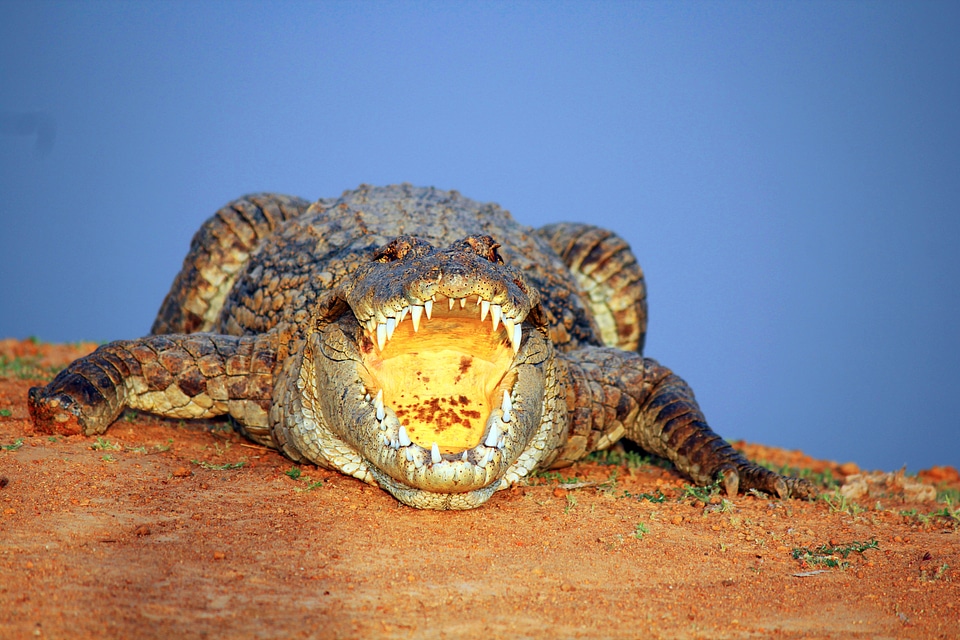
(485,247)
(400,247)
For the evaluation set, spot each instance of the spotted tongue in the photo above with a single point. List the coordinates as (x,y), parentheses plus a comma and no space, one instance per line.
(442,402)
(444,378)
(394,435)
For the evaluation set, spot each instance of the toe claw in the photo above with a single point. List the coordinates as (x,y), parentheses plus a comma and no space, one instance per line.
(731,481)
(804,489)
(780,486)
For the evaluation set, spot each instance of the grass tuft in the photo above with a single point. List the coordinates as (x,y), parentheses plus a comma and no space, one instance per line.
(840,504)
(102,444)
(949,511)
(624,458)
(295,473)
(225,466)
(548,476)
(26,369)
(940,574)
(14,446)
(656,498)
(703,494)
(832,556)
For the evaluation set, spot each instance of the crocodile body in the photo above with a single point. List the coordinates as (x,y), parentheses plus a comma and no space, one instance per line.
(411,338)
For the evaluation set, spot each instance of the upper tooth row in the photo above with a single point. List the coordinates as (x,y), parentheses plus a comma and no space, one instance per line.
(494,440)
(384,330)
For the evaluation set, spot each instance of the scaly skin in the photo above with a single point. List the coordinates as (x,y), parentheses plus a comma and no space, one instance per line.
(412,338)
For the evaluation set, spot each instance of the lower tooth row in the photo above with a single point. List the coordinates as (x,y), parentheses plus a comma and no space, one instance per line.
(388,422)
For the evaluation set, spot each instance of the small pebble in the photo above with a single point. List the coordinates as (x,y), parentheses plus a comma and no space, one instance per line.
(849,468)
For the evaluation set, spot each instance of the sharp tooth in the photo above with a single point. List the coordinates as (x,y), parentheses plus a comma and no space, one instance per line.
(367,397)
(428,307)
(385,439)
(487,455)
(435,454)
(515,338)
(493,436)
(484,309)
(378,405)
(381,335)
(507,404)
(463,302)
(409,454)
(391,327)
(450,300)
(394,444)
(403,314)
(415,312)
(463,456)
(508,325)
(403,438)
(495,314)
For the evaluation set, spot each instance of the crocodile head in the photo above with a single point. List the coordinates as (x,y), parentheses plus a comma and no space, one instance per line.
(427,374)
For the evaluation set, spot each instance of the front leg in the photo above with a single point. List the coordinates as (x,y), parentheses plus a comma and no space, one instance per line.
(179,376)
(621,394)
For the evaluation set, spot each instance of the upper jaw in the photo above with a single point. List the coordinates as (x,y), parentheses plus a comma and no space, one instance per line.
(505,304)
(382,322)
(411,276)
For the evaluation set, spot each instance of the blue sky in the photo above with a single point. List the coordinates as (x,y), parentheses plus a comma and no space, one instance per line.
(787,173)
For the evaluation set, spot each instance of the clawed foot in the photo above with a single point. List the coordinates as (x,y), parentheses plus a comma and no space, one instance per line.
(749,476)
(69,405)
(55,413)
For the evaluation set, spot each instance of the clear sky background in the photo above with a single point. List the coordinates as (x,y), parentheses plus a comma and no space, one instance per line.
(787,173)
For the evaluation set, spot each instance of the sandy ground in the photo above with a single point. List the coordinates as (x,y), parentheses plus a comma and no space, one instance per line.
(148,532)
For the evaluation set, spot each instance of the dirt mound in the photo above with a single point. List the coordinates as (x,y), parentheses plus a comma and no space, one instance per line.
(161,528)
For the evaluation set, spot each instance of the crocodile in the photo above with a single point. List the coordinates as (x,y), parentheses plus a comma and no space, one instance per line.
(409,337)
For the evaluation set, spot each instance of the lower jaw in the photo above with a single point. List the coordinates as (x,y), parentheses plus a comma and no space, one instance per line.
(423,499)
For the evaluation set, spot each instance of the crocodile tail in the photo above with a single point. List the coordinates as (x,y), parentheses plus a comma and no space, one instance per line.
(218,251)
(605,268)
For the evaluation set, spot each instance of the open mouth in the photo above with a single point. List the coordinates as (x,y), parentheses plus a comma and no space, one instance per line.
(440,380)
(430,374)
